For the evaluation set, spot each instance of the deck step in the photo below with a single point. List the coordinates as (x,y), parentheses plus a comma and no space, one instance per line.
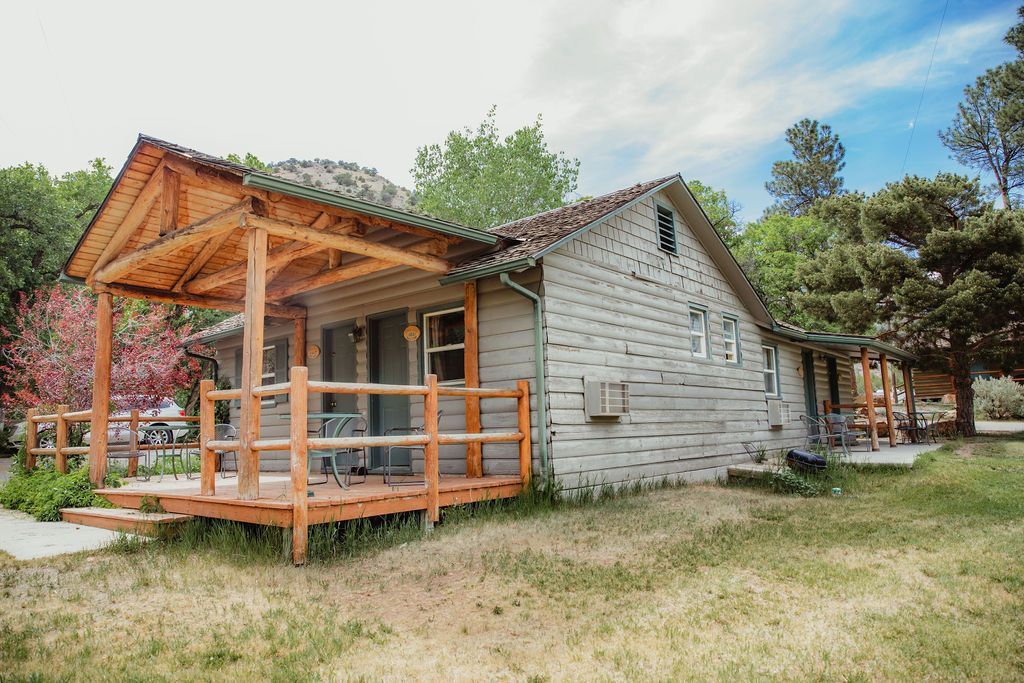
(122,519)
(750,470)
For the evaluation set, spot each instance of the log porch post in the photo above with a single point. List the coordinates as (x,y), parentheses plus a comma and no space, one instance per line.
(299,404)
(883,363)
(525,444)
(101,388)
(474,451)
(430,450)
(299,352)
(869,398)
(908,388)
(207,458)
(60,440)
(31,438)
(133,443)
(252,365)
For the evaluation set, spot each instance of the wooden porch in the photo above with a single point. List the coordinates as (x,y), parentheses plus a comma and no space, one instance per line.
(184,228)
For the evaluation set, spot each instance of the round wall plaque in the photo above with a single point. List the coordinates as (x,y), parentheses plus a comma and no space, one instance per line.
(312,351)
(411,333)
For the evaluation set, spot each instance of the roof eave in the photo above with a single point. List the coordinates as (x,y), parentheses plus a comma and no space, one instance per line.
(494,269)
(845,340)
(292,189)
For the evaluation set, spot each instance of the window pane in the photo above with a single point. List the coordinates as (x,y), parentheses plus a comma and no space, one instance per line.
(269,362)
(769,382)
(696,322)
(447,365)
(446,329)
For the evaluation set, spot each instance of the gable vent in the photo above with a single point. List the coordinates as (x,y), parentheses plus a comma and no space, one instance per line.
(666,230)
(606,399)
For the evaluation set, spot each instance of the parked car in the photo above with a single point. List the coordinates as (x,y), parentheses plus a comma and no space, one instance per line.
(118,431)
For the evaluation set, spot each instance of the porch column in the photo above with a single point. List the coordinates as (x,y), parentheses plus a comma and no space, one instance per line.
(101,388)
(908,388)
(299,352)
(252,365)
(883,363)
(474,451)
(869,398)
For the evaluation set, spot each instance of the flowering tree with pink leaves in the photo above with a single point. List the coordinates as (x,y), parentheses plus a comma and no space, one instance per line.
(49,359)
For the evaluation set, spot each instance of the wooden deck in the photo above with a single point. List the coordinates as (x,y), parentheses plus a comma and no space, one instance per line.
(328,502)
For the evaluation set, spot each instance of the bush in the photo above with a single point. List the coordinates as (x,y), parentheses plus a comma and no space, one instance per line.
(43,492)
(998,399)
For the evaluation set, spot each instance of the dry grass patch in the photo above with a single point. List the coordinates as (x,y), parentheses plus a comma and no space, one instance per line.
(914,575)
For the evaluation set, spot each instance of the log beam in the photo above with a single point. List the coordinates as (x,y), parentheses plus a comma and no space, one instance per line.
(209,250)
(355,245)
(101,388)
(349,272)
(151,191)
(215,303)
(869,397)
(471,367)
(169,201)
(233,217)
(890,420)
(252,366)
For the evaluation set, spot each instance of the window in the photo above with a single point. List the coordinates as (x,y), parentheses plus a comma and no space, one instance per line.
(666,229)
(444,345)
(269,374)
(699,333)
(771,370)
(731,336)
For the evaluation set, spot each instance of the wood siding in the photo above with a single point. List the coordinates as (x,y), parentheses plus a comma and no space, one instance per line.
(616,308)
(506,355)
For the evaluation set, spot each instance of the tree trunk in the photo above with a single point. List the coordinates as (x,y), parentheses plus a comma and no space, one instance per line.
(960,371)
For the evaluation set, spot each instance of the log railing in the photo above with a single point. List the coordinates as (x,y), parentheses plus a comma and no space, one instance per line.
(64,418)
(298,443)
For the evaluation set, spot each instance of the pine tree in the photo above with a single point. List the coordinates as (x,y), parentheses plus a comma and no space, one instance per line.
(812,174)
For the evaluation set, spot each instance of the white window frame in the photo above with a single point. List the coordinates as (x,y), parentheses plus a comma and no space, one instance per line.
(773,353)
(427,350)
(734,322)
(704,336)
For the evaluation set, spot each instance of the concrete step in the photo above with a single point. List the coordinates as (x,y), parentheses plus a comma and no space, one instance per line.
(121,519)
(750,470)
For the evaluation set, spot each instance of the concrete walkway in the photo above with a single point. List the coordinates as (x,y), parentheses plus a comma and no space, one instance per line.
(26,539)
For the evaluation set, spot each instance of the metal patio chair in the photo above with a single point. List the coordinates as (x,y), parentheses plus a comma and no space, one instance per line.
(348,458)
(389,478)
(839,434)
(225,432)
(131,450)
(815,432)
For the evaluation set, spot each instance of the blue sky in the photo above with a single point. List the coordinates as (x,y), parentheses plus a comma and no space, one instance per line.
(634,90)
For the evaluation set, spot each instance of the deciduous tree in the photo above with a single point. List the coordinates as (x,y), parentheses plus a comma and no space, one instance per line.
(482,180)
(721,211)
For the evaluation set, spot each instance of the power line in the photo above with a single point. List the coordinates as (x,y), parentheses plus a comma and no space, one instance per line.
(913,124)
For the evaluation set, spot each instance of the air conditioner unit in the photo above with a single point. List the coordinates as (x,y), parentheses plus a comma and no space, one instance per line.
(776,416)
(606,399)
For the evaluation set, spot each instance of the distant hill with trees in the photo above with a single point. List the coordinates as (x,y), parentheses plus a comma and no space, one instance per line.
(346,177)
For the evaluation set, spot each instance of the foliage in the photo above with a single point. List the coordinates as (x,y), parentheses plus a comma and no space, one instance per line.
(49,359)
(813,173)
(984,137)
(931,266)
(479,179)
(999,399)
(771,252)
(721,211)
(41,217)
(251,161)
(43,491)
(785,480)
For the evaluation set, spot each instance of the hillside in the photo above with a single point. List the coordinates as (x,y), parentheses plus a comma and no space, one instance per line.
(346,177)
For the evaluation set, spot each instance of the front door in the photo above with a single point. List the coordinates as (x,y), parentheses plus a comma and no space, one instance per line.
(810,390)
(388,364)
(339,365)
(833,383)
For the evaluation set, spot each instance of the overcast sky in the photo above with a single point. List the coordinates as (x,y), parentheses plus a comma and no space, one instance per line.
(634,90)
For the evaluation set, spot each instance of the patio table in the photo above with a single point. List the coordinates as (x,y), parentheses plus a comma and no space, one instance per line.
(169,447)
(324,419)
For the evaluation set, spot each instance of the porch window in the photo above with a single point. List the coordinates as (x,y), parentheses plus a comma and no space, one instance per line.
(699,333)
(444,345)
(771,370)
(731,336)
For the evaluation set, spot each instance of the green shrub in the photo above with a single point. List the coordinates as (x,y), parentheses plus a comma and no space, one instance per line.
(998,399)
(785,480)
(43,492)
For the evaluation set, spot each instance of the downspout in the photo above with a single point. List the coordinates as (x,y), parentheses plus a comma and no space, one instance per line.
(213,363)
(541,384)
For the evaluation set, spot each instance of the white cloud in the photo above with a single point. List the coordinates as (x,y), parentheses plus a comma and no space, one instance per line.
(633,89)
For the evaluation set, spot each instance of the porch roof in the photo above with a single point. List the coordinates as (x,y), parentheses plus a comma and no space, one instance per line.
(847,344)
(173,228)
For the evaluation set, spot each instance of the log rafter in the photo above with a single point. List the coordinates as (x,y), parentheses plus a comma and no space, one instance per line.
(234,305)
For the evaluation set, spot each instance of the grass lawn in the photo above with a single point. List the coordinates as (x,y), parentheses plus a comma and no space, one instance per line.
(911,575)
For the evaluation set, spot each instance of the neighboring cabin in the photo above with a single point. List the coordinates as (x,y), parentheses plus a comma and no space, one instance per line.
(644,313)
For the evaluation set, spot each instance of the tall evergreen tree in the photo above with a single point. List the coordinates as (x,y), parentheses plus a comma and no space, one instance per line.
(931,265)
(812,173)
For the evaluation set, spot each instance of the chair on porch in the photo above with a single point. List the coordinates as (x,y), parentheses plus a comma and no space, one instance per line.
(348,458)
(910,427)
(130,450)
(816,433)
(389,470)
(840,434)
(225,432)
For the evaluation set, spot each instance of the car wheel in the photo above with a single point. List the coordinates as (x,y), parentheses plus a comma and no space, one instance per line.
(158,437)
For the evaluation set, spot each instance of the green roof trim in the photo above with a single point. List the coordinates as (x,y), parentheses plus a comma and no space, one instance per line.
(857,340)
(493,269)
(271,184)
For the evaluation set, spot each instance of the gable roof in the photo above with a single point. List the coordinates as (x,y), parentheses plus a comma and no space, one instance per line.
(530,238)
